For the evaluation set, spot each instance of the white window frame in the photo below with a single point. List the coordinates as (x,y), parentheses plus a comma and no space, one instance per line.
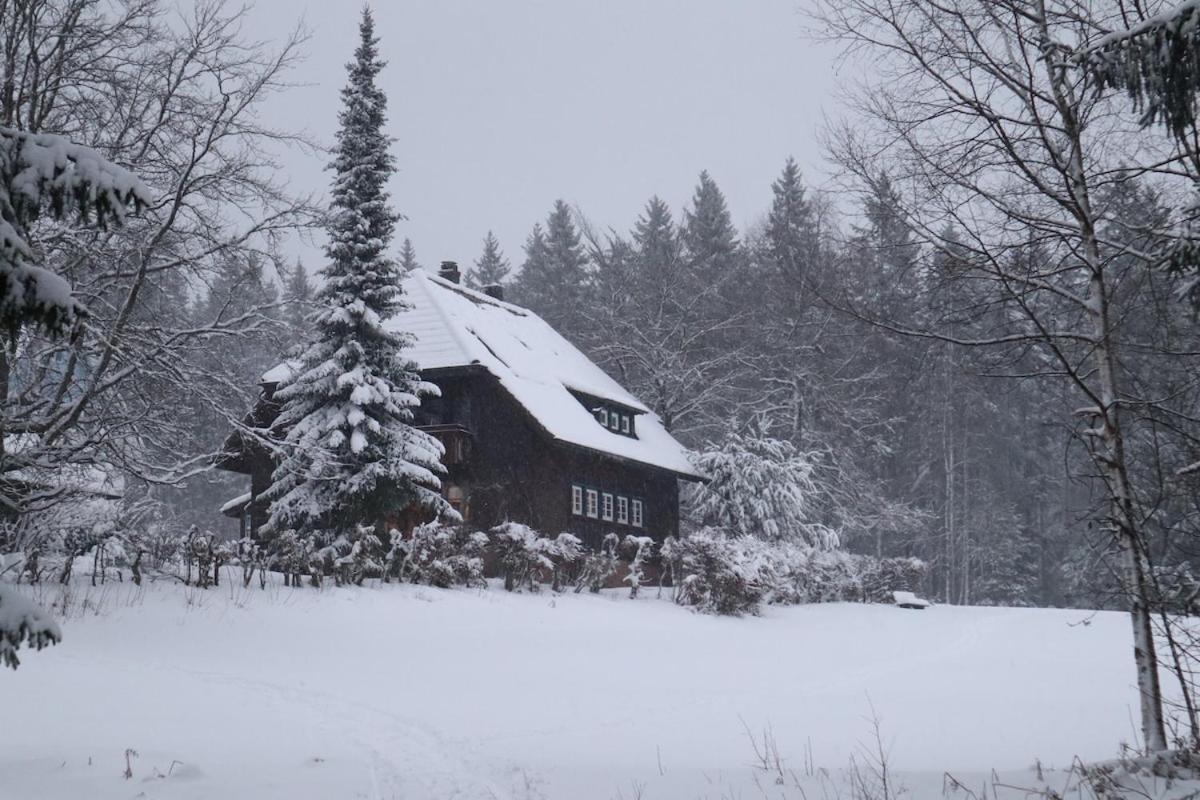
(625,424)
(623,510)
(577,500)
(602,417)
(638,517)
(606,507)
(614,421)
(593,502)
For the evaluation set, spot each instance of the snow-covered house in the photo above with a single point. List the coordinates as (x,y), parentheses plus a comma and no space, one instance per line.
(534,432)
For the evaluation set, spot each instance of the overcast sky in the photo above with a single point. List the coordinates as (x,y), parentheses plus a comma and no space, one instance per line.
(499,107)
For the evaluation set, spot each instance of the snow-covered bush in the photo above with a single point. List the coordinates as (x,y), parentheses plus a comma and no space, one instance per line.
(720,574)
(206,553)
(289,554)
(527,558)
(813,576)
(522,555)
(725,574)
(567,555)
(762,487)
(251,557)
(443,555)
(596,568)
(641,549)
(364,559)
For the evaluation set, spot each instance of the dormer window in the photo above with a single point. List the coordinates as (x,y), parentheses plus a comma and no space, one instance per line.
(616,420)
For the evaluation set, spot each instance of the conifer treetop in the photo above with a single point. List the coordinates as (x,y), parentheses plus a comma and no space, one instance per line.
(492,268)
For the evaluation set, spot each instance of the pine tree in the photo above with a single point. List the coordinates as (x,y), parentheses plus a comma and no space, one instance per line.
(787,260)
(352,455)
(792,236)
(297,293)
(492,267)
(553,280)
(709,238)
(408,257)
(658,250)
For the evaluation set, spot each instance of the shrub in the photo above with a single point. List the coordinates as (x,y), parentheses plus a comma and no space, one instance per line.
(720,574)
(566,555)
(598,567)
(723,574)
(442,555)
(641,549)
(527,558)
(522,554)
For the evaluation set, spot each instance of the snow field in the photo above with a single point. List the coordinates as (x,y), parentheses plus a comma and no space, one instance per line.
(410,692)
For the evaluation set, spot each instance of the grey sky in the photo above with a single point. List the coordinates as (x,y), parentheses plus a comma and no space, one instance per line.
(501,106)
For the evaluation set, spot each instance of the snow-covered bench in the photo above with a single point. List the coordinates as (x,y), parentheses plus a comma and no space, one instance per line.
(909,600)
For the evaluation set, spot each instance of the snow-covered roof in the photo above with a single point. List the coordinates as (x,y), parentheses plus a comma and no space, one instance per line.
(236,504)
(457,327)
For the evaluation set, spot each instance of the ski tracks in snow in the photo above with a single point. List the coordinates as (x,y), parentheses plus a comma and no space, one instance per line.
(406,759)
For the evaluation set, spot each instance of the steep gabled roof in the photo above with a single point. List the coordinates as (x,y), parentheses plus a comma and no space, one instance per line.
(457,327)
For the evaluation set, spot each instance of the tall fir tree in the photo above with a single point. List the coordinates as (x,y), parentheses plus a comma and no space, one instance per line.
(553,280)
(492,268)
(408,256)
(298,295)
(792,236)
(709,237)
(656,242)
(787,340)
(352,455)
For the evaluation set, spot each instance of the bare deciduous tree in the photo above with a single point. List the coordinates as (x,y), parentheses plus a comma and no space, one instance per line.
(177,94)
(975,107)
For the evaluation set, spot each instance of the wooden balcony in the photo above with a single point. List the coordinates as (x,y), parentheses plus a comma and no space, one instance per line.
(456,439)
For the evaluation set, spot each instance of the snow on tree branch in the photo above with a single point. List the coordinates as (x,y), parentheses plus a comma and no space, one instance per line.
(23,623)
(1157,63)
(761,487)
(39,172)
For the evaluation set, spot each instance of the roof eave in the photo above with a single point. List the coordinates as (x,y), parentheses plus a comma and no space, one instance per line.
(690,477)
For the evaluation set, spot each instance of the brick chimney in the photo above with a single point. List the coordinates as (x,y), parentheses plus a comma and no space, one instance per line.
(449,271)
(494,290)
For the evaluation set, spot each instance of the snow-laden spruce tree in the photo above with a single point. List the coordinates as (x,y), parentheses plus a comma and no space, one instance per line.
(39,173)
(760,486)
(351,454)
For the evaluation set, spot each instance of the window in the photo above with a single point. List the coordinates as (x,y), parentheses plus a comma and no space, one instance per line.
(614,421)
(625,424)
(602,415)
(577,500)
(592,499)
(623,510)
(607,508)
(637,513)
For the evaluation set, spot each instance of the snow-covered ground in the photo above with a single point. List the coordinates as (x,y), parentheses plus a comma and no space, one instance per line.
(409,692)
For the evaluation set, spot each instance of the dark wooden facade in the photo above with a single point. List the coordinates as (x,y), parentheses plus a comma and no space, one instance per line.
(501,465)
